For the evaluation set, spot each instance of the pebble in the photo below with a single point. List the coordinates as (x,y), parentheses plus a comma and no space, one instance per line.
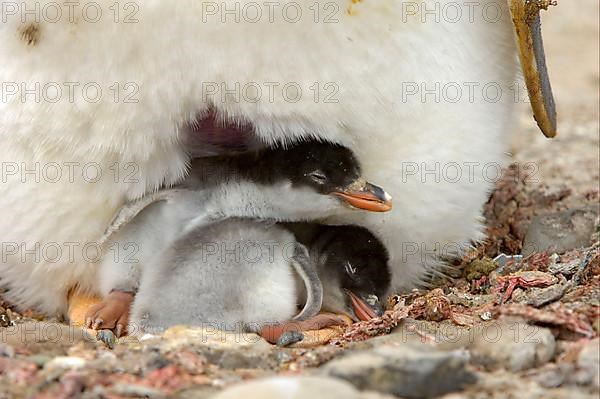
(467,299)
(409,370)
(65,363)
(230,350)
(581,371)
(107,337)
(541,296)
(566,269)
(44,337)
(39,360)
(5,320)
(6,350)
(503,259)
(296,388)
(133,390)
(561,231)
(513,346)
(552,375)
(486,316)
(588,364)
(505,385)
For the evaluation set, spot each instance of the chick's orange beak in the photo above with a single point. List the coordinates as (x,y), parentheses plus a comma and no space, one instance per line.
(366,196)
(362,310)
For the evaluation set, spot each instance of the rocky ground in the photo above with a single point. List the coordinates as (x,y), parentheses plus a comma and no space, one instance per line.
(500,327)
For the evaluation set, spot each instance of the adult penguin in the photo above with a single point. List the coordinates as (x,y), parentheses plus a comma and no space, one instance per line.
(103,102)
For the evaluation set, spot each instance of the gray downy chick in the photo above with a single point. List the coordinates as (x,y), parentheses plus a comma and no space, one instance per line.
(221,278)
(307,181)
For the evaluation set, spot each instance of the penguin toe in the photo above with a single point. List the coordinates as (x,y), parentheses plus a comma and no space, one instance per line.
(284,333)
(93,319)
(110,314)
(122,323)
(97,324)
(323,320)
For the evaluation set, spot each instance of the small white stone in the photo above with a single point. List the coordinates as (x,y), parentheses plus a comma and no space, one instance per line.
(486,316)
(291,387)
(147,337)
(66,362)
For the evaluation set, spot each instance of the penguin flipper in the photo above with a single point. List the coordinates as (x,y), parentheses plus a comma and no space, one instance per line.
(314,288)
(131,209)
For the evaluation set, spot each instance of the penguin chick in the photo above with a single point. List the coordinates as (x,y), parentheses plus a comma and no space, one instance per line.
(235,275)
(306,181)
(353,266)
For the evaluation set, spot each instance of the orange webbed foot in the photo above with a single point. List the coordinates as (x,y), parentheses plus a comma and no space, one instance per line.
(112,313)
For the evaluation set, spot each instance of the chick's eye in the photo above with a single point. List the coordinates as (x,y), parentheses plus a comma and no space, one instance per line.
(351,270)
(318,177)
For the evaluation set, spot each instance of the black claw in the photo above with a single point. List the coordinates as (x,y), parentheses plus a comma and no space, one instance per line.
(97,324)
